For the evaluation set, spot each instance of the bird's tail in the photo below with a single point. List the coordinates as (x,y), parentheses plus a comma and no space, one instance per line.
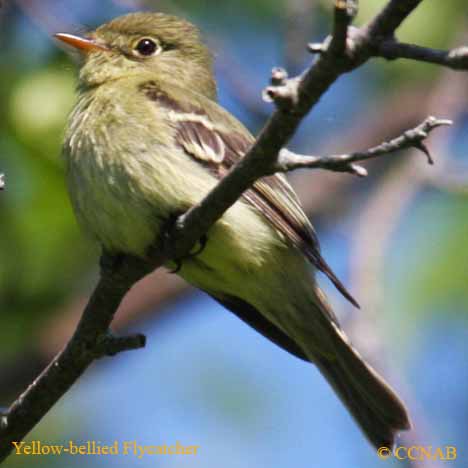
(373,404)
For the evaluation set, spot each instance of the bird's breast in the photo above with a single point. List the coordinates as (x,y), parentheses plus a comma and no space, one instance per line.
(120,174)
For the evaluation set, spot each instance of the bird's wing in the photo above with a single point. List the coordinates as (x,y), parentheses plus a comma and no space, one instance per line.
(208,133)
(251,316)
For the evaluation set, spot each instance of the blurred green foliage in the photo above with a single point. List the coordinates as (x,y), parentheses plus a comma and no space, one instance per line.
(41,249)
(436,269)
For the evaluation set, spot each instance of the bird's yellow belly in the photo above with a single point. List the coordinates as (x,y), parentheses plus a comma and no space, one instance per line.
(239,258)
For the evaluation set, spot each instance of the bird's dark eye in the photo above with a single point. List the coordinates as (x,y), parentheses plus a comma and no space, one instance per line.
(147,47)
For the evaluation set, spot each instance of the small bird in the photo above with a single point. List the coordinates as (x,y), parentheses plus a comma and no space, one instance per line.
(146,141)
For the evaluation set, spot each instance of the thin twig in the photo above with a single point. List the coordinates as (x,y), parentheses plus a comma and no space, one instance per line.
(344,13)
(413,138)
(457,58)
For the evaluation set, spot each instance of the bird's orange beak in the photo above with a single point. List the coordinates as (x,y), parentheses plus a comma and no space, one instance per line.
(80,43)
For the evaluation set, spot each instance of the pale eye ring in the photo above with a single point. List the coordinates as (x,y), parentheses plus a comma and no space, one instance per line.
(147,47)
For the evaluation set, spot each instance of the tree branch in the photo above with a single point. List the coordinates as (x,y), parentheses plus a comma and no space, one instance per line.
(391,49)
(414,138)
(294,98)
(344,14)
(390,18)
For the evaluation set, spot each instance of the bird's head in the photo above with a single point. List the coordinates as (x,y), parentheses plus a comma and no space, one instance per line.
(167,47)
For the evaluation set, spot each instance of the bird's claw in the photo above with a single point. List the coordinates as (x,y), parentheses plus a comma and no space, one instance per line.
(166,239)
(203,241)
(178,267)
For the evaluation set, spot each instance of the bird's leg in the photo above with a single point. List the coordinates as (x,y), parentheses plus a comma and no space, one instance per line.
(166,236)
(178,261)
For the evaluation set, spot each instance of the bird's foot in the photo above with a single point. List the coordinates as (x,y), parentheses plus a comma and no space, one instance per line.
(191,255)
(200,248)
(167,242)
